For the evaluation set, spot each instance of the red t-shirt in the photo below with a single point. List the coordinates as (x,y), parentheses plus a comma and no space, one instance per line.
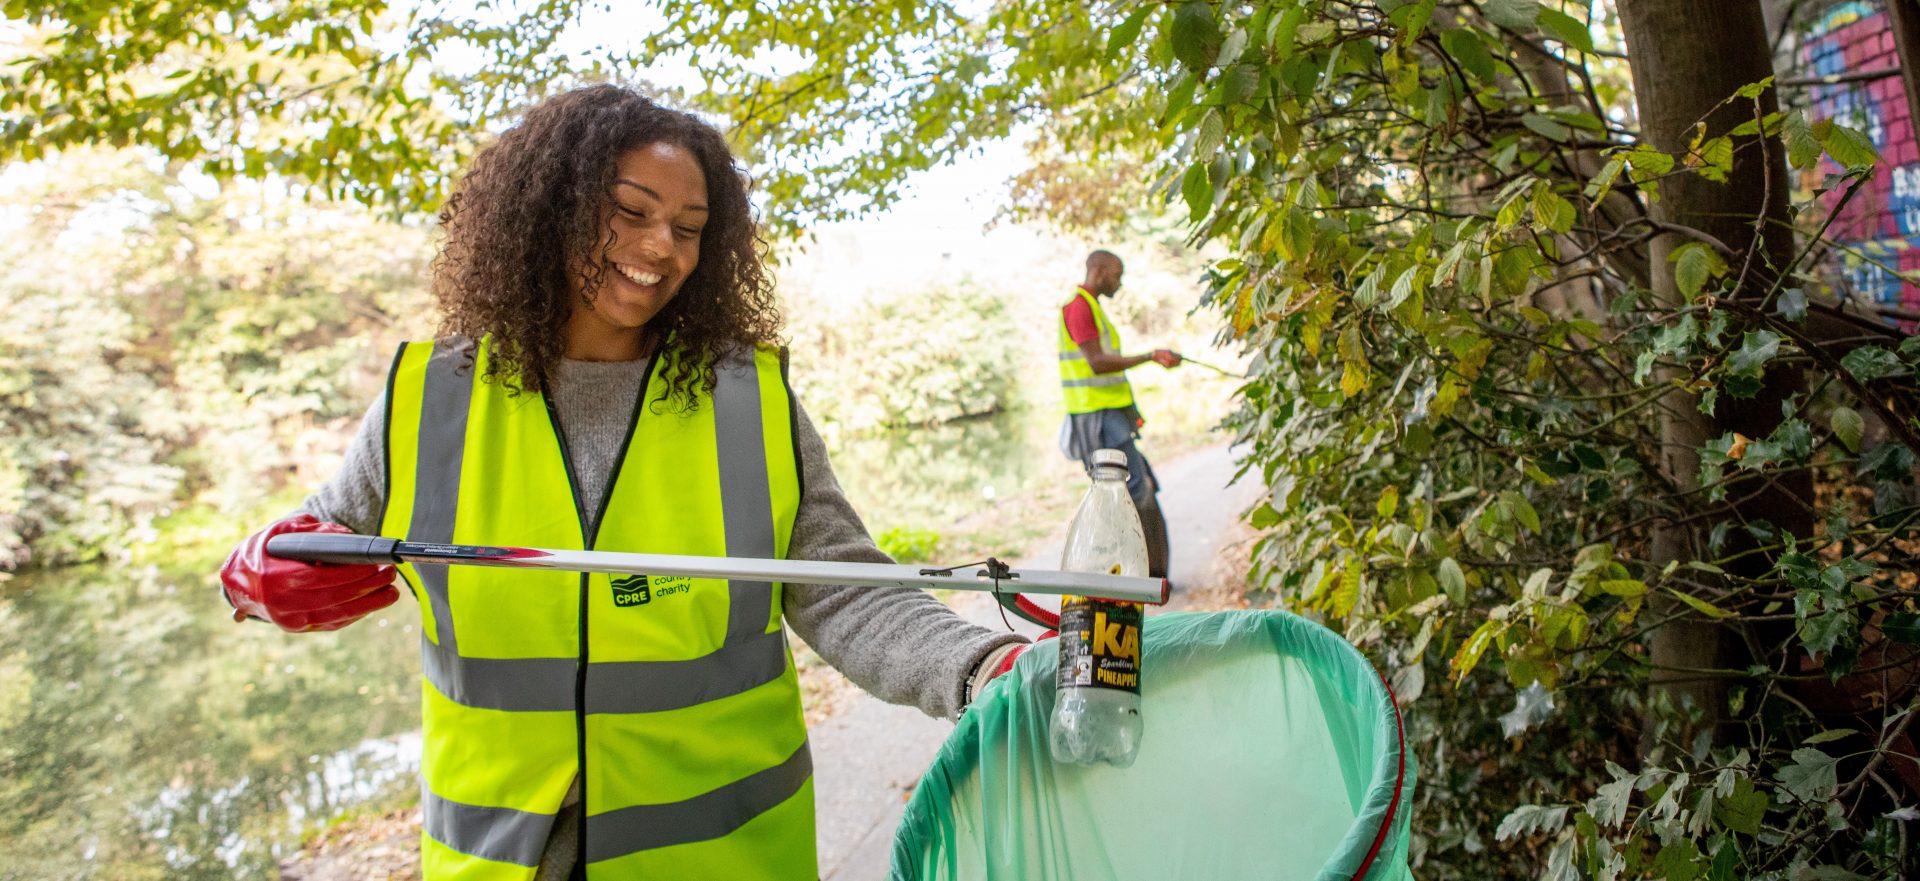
(1081,328)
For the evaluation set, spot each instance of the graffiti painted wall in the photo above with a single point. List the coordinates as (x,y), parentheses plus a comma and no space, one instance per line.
(1880,228)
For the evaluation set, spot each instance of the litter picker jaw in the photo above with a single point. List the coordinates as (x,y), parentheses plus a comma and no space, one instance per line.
(993,577)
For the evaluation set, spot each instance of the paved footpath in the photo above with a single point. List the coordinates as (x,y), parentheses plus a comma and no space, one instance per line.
(869,756)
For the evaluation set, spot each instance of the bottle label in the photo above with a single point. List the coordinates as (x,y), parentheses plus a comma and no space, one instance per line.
(1099,644)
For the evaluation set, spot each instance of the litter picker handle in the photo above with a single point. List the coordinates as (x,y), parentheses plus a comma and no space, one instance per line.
(323,547)
(332,547)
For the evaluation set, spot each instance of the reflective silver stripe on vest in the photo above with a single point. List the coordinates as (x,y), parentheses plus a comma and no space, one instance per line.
(1107,379)
(701,818)
(746,498)
(1075,355)
(502,835)
(543,685)
(436,484)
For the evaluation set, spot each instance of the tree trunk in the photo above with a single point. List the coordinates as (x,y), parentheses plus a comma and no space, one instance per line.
(1686,58)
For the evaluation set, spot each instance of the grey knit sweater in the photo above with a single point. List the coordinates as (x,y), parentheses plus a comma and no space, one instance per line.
(901,645)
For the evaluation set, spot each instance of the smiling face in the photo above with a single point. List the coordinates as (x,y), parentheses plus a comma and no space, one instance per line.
(657,210)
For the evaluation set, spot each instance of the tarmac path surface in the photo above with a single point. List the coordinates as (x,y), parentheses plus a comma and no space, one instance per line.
(868,757)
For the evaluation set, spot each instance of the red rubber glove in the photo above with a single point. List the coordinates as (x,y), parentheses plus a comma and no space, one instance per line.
(302,597)
(1006,661)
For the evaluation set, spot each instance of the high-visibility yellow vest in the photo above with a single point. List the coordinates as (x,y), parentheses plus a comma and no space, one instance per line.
(1085,390)
(674,700)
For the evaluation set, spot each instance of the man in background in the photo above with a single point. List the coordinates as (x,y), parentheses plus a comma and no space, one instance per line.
(1100,408)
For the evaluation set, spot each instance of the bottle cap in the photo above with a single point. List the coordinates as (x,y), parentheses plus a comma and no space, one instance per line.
(1109,457)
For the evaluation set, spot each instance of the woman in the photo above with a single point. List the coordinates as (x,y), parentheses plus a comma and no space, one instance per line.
(606,378)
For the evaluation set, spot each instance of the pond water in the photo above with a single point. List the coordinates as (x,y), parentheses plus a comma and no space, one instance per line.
(145,735)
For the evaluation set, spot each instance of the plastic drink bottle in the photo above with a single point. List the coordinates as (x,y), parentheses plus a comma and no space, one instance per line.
(1096,710)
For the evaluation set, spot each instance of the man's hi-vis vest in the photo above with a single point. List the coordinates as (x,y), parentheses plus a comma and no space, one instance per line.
(1086,390)
(674,700)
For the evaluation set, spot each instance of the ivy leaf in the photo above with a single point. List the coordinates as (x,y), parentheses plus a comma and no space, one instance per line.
(1869,363)
(1847,427)
(1811,777)
(1694,264)
(1565,28)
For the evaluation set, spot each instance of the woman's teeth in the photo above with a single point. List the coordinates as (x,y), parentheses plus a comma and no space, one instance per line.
(636,276)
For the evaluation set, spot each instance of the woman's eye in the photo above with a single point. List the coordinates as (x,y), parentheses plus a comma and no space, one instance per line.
(687,232)
(635,213)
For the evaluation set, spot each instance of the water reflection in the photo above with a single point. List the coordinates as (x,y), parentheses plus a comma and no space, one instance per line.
(143,734)
(926,478)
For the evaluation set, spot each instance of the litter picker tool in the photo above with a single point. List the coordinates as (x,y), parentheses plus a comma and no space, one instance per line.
(1220,370)
(992,575)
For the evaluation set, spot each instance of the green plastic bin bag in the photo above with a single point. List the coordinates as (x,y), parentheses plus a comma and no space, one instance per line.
(1272,750)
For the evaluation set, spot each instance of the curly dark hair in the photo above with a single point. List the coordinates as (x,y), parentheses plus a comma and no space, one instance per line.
(531,213)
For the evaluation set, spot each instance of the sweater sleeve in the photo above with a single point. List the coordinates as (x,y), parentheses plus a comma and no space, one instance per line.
(900,644)
(356,497)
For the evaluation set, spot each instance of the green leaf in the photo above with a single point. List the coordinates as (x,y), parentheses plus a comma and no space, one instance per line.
(1531,819)
(1902,627)
(1389,503)
(1522,510)
(1743,809)
(1550,210)
(1792,305)
(1702,606)
(1678,861)
(1602,183)
(1196,38)
(1757,347)
(1694,264)
(1470,651)
(1847,427)
(1811,777)
(1264,517)
(1451,579)
(1129,30)
(1197,189)
(1231,47)
(1848,147)
(1803,149)
(1212,133)
(1566,29)
(1755,90)
(1869,363)
(1465,47)
(1516,14)
(1547,127)
(1829,735)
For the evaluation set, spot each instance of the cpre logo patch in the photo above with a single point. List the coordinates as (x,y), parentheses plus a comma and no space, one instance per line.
(631,590)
